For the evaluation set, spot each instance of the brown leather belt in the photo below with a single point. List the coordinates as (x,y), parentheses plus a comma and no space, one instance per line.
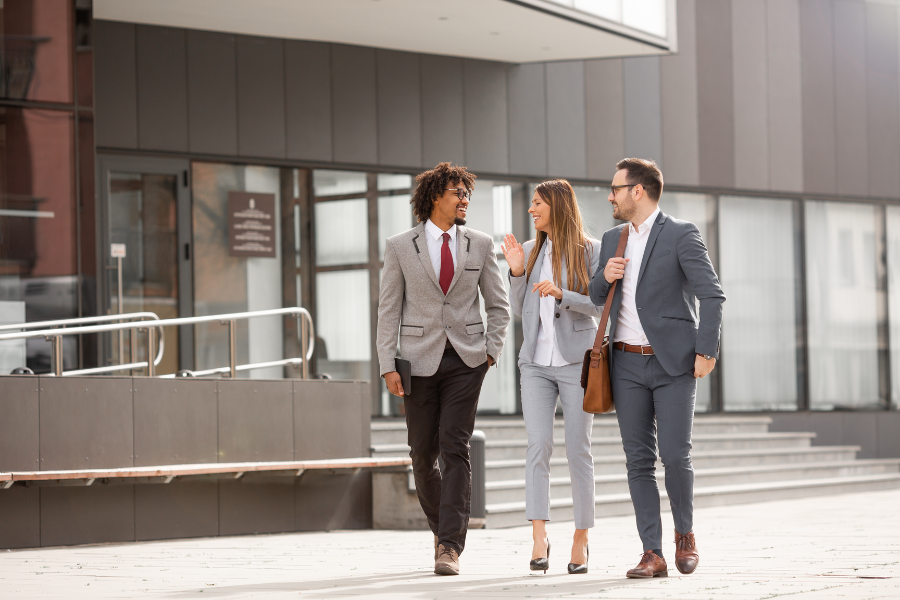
(646,350)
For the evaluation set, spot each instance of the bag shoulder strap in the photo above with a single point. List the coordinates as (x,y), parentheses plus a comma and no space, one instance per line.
(601,330)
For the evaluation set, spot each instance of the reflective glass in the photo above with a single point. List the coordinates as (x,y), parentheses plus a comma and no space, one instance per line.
(759,333)
(394,216)
(392,181)
(343,328)
(338,183)
(502,214)
(893,270)
(596,211)
(342,232)
(646,15)
(608,9)
(842,305)
(498,392)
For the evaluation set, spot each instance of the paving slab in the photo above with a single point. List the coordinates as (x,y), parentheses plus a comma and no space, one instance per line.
(845,546)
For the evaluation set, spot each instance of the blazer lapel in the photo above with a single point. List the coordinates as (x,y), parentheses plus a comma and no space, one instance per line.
(651,241)
(421,246)
(535,278)
(462,254)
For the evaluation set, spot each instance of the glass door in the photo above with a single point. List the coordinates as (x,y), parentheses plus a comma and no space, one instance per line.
(147,233)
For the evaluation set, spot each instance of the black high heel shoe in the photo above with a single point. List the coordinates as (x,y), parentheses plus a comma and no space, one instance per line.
(541,564)
(580,569)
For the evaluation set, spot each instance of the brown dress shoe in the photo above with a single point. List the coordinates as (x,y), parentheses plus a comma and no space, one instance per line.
(686,556)
(447,562)
(651,565)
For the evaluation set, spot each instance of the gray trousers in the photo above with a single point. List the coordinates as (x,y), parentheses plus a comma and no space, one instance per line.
(540,388)
(653,408)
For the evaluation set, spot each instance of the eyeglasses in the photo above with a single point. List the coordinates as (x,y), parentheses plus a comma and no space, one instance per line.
(615,188)
(461,193)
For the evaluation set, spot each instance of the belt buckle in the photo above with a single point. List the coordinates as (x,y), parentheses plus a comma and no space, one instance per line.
(644,353)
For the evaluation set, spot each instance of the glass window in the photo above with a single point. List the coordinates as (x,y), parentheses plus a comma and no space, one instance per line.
(759,335)
(498,392)
(390,181)
(394,216)
(502,213)
(893,271)
(646,15)
(339,183)
(596,211)
(608,9)
(342,232)
(343,328)
(842,305)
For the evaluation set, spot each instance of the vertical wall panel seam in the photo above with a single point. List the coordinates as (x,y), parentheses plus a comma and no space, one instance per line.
(284,95)
(187,89)
(834,126)
(768,182)
(137,90)
(509,141)
(237,107)
(465,148)
(421,109)
(330,100)
(376,54)
(546,126)
(584,97)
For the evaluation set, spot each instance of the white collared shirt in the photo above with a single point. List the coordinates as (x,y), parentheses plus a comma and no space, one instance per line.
(628,327)
(433,235)
(546,353)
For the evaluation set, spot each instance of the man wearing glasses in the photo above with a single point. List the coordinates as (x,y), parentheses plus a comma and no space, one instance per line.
(660,347)
(429,292)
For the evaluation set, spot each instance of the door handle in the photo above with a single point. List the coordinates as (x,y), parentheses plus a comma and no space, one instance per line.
(187,252)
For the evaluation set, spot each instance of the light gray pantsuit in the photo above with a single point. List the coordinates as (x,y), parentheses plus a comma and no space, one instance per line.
(540,387)
(655,408)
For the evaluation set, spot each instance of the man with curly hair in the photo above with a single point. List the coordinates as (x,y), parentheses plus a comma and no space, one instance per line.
(429,293)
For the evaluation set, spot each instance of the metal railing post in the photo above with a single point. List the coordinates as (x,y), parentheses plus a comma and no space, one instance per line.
(133,336)
(151,351)
(56,354)
(478,514)
(232,348)
(304,346)
(121,311)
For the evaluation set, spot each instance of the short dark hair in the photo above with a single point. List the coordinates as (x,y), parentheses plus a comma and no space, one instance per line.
(645,172)
(432,185)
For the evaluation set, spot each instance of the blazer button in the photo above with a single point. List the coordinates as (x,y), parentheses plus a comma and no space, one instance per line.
(557,315)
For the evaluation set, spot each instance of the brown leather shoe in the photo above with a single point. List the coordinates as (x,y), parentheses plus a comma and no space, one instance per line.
(686,556)
(447,562)
(651,565)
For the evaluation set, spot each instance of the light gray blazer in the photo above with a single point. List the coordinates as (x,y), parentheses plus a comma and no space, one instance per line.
(412,302)
(575,327)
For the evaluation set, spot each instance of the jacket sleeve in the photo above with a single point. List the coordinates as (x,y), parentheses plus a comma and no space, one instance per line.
(517,286)
(694,260)
(581,303)
(599,287)
(496,304)
(390,306)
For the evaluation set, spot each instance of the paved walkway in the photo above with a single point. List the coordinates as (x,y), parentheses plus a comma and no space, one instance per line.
(833,547)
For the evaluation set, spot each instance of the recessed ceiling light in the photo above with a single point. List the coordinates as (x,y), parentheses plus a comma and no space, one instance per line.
(443,18)
(495,33)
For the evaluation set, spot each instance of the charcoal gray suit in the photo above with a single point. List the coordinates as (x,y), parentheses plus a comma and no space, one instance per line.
(655,394)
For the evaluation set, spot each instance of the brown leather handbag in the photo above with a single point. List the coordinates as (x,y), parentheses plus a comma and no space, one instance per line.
(598,398)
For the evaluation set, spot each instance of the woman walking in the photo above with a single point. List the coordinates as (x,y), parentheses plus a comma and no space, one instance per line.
(550,291)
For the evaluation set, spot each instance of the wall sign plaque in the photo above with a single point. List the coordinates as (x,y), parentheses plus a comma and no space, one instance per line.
(251,224)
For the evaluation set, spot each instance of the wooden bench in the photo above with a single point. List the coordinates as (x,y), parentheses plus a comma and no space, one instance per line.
(169,473)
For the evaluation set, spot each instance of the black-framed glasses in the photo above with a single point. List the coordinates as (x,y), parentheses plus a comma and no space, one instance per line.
(461,193)
(615,188)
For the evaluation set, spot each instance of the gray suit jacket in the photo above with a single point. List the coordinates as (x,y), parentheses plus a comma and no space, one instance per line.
(674,271)
(412,302)
(575,326)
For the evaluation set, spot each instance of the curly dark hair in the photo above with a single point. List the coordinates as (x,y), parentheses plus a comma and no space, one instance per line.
(432,185)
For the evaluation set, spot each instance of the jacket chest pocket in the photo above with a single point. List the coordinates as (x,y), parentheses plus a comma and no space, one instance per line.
(412,330)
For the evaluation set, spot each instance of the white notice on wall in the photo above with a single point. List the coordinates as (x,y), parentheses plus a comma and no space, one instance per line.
(117,250)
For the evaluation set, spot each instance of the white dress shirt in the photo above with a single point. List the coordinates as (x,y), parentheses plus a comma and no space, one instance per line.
(435,242)
(628,327)
(546,352)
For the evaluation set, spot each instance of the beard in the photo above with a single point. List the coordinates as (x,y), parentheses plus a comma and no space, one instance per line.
(459,221)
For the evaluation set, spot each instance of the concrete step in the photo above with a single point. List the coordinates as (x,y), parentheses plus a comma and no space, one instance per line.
(512,514)
(601,446)
(499,492)
(393,431)
(498,470)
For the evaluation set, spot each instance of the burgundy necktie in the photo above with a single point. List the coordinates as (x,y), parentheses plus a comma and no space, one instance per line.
(446,264)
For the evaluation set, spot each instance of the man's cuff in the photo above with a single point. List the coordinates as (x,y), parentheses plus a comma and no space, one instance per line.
(388,367)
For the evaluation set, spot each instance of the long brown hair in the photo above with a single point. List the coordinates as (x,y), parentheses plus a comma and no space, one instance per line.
(567,233)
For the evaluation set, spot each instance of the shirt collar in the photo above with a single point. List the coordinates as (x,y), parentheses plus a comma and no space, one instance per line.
(436,232)
(548,247)
(647,224)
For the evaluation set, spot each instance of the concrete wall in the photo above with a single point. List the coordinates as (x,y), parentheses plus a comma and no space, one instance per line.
(782,95)
(107,422)
(874,432)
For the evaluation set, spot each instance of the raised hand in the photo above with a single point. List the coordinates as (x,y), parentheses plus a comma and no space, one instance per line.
(515,255)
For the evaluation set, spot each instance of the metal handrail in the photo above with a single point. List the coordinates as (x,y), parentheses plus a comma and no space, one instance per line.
(305,330)
(100,319)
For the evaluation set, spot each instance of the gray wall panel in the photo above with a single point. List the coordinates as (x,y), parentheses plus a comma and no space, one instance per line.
(327,420)
(255,421)
(115,85)
(528,119)
(486,124)
(888,440)
(605,118)
(751,93)
(308,91)
(260,91)
(162,88)
(714,93)
(883,100)
(861,429)
(785,96)
(20,417)
(643,109)
(355,100)
(174,422)
(87,515)
(212,92)
(851,138)
(341,501)
(176,510)
(399,109)
(86,423)
(256,507)
(443,128)
(20,526)
(566,143)
(678,80)
(817,69)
